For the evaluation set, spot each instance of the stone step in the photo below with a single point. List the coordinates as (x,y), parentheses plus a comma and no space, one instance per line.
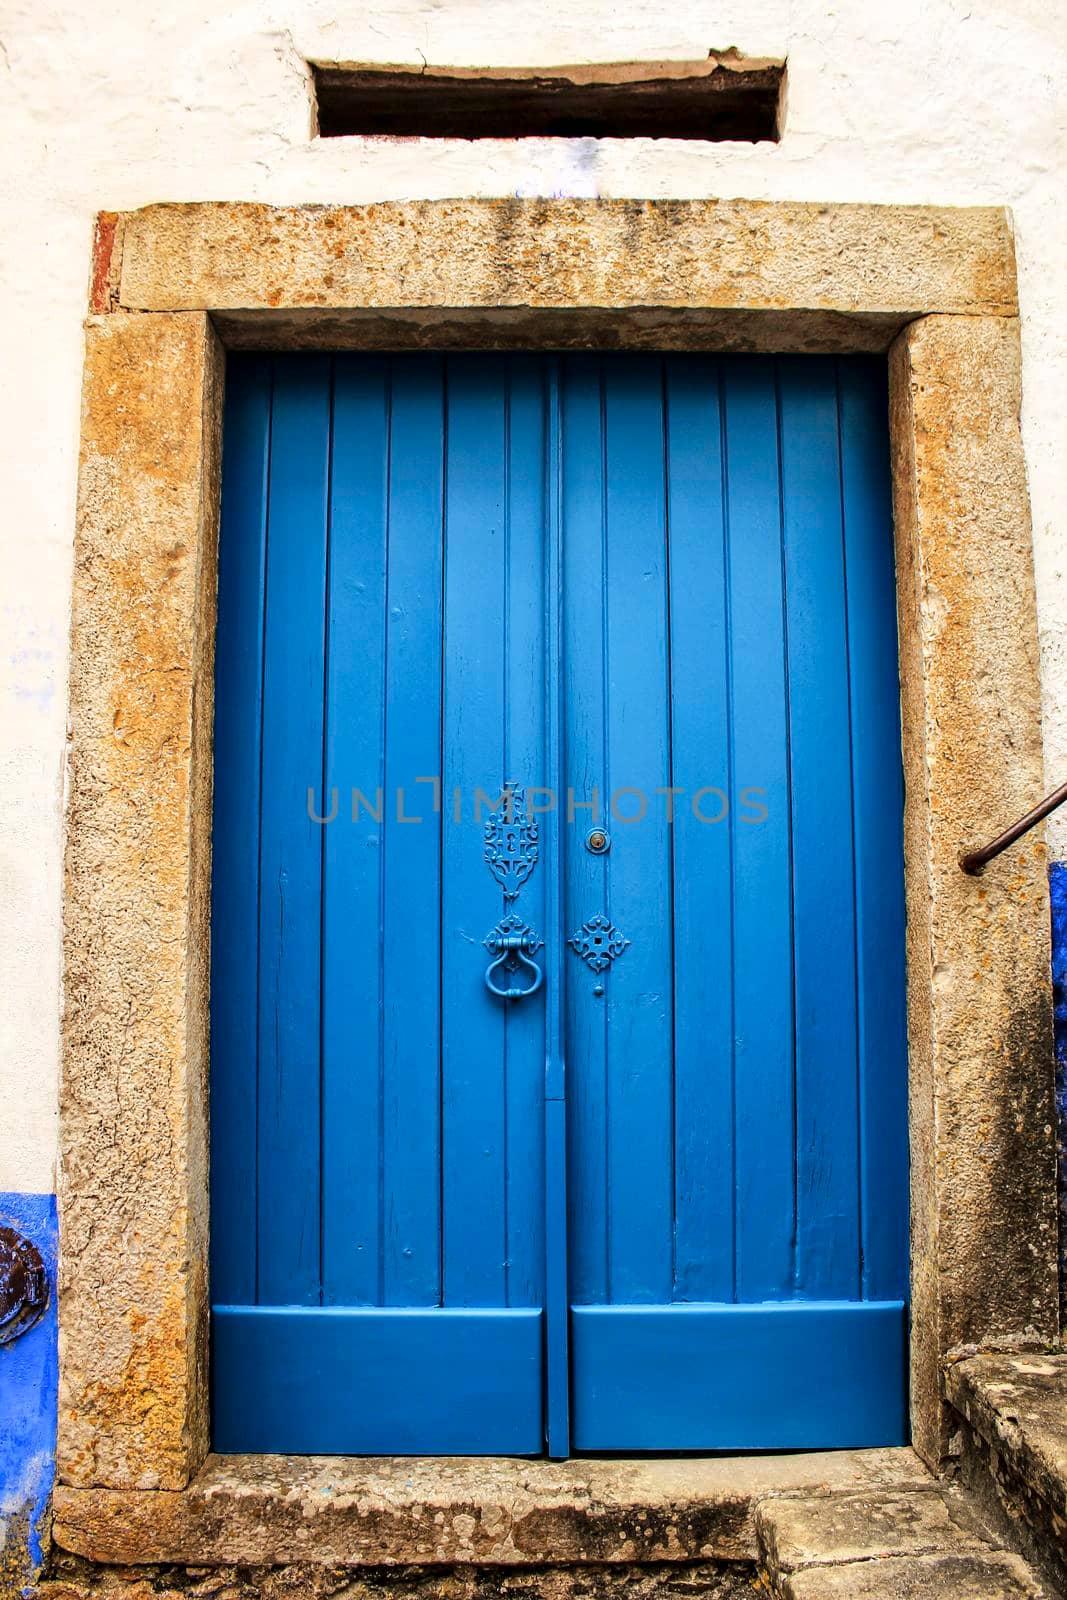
(844,1525)
(897,1546)
(350,1512)
(1012,1444)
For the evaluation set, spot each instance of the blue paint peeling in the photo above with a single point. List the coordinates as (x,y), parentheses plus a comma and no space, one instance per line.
(1057,875)
(28,1401)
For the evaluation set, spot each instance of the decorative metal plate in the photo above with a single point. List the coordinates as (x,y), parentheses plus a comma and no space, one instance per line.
(23,1285)
(511,847)
(512,927)
(598,942)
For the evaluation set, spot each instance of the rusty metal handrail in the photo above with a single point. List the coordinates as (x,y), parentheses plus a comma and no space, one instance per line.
(975,861)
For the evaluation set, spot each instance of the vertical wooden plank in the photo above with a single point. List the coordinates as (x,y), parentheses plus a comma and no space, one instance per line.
(764,1199)
(878,791)
(235,854)
(638,988)
(584,556)
(827,1109)
(411,939)
(291,842)
(524,740)
(555,1200)
(702,900)
(352,1000)
(476,668)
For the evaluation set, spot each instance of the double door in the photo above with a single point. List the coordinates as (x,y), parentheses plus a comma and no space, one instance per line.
(558,1051)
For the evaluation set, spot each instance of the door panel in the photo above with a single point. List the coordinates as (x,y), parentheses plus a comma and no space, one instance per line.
(290,843)
(355,1267)
(759,855)
(795,1374)
(617,739)
(379,1285)
(700,935)
(656,593)
(715,1072)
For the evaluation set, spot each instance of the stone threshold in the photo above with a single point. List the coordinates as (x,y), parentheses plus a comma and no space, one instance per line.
(263,1511)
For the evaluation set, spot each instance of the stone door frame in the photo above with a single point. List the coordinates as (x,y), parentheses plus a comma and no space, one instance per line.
(172,287)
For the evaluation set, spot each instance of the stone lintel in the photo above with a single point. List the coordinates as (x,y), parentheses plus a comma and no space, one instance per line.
(734,255)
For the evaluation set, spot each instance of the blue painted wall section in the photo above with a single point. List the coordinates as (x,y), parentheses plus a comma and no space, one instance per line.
(28,1399)
(1057,874)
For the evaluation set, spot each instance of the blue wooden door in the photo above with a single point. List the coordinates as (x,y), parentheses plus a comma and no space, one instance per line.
(572,680)
(738,1243)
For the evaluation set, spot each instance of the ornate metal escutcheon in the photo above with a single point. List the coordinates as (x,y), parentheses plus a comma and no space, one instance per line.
(598,942)
(511,842)
(511,853)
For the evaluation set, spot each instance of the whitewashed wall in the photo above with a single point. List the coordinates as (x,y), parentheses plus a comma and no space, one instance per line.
(953,102)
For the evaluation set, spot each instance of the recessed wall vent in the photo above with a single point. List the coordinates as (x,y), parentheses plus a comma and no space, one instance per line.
(729,96)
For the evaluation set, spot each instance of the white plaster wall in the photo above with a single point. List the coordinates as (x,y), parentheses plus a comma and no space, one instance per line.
(108,107)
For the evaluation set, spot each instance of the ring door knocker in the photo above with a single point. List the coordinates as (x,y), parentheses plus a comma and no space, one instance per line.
(514,944)
(511,852)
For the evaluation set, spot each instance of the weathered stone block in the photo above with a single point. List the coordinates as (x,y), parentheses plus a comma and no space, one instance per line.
(738,254)
(982,1114)
(133,1192)
(995,1576)
(271,1510)
(1013,1455)
(805,1531)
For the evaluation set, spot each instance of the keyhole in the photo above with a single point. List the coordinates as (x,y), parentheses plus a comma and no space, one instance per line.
(598,842)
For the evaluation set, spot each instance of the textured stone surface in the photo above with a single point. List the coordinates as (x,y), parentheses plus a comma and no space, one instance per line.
(1057,885)
(133,1186)
(256,1510)
(709,253)
(896,1544)
(995,1576)
(805,1531)
(75,1580)
(981,1085)
(1019,1405)
(1013,1450)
